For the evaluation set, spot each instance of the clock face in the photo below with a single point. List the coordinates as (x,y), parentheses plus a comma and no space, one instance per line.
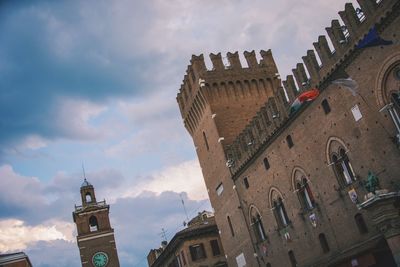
(100,259)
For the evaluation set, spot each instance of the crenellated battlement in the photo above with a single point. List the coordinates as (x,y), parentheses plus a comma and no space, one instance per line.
(225,82)
(344,39)
(265,126)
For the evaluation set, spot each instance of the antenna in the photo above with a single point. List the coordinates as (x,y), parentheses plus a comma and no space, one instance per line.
(83,169)
(163,234)
(184,208)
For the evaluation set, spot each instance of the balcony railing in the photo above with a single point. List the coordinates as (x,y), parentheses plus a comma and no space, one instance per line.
(99,204)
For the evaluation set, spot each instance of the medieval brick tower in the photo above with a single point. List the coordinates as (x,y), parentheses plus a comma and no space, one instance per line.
(216,105)
(95,238)
(316,186)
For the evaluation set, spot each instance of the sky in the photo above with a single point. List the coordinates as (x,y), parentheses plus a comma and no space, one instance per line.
(94,83)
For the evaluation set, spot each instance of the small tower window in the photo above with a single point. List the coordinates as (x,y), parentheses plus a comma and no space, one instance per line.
(246,182)
(197,252)
(230,225)
(324,243)
(93,225)
(362,226)
(205,141)
(215,247)
(219,189)
(292,258)
(88,197)
(289,141)
(325,106)
(266,163)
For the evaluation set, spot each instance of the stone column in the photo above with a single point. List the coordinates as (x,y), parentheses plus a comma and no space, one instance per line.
(385,211)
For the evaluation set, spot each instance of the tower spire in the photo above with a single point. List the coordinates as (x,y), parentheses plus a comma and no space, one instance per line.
(84,174)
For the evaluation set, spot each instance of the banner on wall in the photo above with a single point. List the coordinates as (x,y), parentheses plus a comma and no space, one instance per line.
(353,195)
(313,219)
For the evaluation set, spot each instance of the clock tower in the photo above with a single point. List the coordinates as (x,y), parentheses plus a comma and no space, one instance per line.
(95,238)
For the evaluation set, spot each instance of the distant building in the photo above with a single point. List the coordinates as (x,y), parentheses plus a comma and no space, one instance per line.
(95,238)
(197,245)
(295,185)
(19,259)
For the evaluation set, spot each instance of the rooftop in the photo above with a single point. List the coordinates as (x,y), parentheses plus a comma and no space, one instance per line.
(6,258)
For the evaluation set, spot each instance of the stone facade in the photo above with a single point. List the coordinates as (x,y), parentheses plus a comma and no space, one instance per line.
(286,188)
(196,246)
(95,236)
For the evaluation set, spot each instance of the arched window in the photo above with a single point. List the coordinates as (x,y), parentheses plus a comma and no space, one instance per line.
(305,194)
(292,258)
(361,225)
(88,197)
(289,141)
(324,243)
(269,264)
(343,168)
(280,213)
(266,163)
(325,106)
(93,225)
(205,141)
(257,225)
(230,225)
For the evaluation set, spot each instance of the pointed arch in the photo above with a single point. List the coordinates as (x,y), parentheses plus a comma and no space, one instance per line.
(338,157)
(301,185)
(278,207)
(256,224)
(273,193)
(381,92)
(295,174)
(329,147)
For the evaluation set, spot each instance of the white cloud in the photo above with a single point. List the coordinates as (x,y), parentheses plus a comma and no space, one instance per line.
(16,188)
(74,118)
(33,142)
(15,235)
(184,177)
(149,108)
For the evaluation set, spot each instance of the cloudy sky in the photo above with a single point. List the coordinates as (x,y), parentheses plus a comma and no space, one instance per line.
(94,82)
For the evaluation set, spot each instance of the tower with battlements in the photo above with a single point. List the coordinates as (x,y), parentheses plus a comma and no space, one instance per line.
(216,105)
(291,188)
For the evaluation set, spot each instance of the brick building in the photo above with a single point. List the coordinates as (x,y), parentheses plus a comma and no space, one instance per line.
(95,240)
(19,259)
(195,246)
(289,187)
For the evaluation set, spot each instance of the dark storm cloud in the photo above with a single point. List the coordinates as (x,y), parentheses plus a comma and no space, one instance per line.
(48,52)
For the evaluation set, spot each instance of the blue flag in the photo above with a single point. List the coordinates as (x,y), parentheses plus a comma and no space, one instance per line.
(372,39)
